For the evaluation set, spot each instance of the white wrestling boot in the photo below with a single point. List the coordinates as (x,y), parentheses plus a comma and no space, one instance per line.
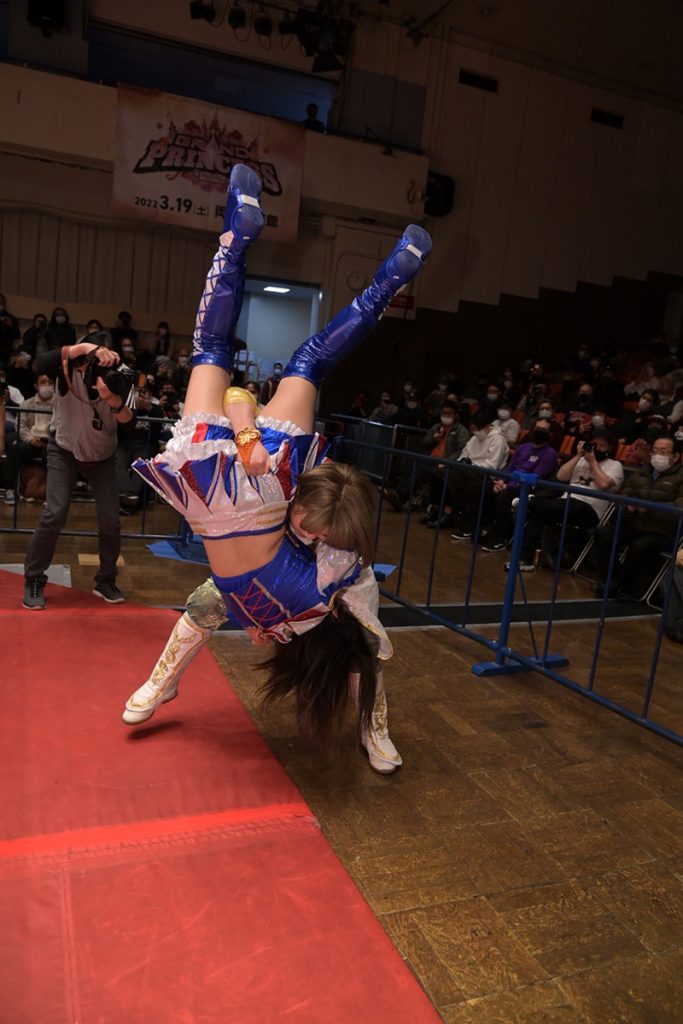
(382,754)
(185,641)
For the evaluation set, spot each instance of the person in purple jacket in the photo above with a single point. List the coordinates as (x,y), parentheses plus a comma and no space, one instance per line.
(534,456)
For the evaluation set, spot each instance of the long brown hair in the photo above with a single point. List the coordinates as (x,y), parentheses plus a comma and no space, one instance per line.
(317,667)
(341,501)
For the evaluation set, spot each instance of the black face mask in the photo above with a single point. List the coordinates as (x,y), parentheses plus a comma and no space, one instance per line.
(539,436)
(600,456)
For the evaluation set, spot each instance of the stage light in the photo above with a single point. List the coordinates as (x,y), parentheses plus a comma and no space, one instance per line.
(237,17)
(263,23)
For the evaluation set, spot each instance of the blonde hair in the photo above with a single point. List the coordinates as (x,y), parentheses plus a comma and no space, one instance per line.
(338,499)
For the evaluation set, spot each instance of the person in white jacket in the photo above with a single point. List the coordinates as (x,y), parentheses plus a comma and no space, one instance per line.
(487,448)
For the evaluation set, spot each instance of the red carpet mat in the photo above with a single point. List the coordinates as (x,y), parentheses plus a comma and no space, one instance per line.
(170,873)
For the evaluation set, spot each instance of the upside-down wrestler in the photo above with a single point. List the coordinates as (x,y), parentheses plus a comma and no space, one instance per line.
(233,476)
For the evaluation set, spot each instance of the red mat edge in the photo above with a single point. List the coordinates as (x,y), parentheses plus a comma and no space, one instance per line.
(143,831)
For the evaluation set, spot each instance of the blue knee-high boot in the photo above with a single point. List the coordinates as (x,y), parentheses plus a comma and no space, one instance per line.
(221,302)
(319,354)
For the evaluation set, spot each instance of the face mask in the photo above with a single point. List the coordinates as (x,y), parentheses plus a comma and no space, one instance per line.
(539,436)
(598,421)
(183,360)
(545,414)
(447,421)
(60,319)
(504,414)
(601,456)
(660,462)
(442,387)
(583,354)
(679,435)
(40,325)
(412,405)
(643,404)
(46,391)
(407,389)
(492,396)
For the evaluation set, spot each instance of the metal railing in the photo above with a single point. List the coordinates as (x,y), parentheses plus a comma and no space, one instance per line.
(141,534)
(434,578)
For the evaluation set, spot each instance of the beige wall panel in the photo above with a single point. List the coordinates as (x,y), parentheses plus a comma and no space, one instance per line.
(541,139)
(69,262)
(176,275)
(122,280)
(11,235)
(29,245)
(141,269)
(46,257)
(606,205)
(87,238)
(104,266)
(459,123)
(573,185)
(495,185)
(643,194)
(159,257)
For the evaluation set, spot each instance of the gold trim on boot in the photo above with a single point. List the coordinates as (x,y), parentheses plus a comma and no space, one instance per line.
(185,641)
(383,756)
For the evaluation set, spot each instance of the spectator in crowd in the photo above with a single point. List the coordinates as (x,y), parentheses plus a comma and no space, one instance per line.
(633,423)
(670,405)
(127,352)
(123,328)
(411,413)
(31,448)
(270,385)
(252,387)
(486,448)
(19,373)
(433,403)
(59,331)
(82,440)
(506,423)
(509,387)
(407,389)
(184,368)
(609,392)
(445,440)
(9,330)
(140,442)
(530,403)
(592,468)
(160,344)
(35,340)
(386,411)
(534,456)
(360,406)
(492,399)
(546,412)
(312,121)
(645,380)
(646,531)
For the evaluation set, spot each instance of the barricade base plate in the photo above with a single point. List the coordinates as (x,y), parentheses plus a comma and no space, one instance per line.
(508,668)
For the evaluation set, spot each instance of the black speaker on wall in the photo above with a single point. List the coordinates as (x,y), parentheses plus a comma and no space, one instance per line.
(440,193)
(48,15)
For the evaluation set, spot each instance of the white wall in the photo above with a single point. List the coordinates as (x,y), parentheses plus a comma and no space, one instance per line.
(274,326)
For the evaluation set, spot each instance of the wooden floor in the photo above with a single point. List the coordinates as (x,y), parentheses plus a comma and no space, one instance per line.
(527,860)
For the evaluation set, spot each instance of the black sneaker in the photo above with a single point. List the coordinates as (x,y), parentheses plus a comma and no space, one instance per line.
(493,545)
(109,592)
(462,535)
(33,595)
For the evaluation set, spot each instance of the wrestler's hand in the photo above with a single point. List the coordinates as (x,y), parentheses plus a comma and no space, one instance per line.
(259,461)
(257,637)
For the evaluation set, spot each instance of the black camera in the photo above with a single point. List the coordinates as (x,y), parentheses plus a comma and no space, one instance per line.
(589,446)
(119,379)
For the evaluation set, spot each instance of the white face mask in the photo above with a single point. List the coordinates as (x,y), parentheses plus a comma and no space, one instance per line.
(60,319)
(46,391)
(660,462)
(492,396)
(545,414)
(643,404)
(598,421)
(411,405)
(183,360)
(504,414)
(447,421)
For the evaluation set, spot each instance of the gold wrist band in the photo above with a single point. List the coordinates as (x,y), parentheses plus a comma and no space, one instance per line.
(245,441)
(233,396)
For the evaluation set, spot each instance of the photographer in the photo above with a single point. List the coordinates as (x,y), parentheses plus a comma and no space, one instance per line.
(593,468)
(91,401)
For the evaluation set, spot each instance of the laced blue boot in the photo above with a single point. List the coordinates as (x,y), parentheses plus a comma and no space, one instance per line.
(221,302)
(319,354)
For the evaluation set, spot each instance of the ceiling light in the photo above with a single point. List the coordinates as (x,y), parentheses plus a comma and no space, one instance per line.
(237,17)
(276,289)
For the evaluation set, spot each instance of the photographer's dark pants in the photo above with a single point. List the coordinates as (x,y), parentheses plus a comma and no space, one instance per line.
(62,473)
(641,562)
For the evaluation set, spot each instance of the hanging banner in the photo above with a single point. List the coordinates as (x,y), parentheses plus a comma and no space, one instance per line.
(174,156)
